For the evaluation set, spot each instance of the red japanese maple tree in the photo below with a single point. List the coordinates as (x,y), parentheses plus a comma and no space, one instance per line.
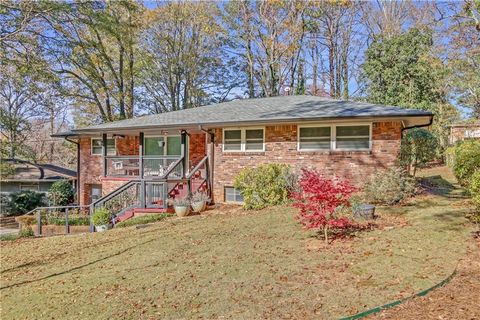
(318,199)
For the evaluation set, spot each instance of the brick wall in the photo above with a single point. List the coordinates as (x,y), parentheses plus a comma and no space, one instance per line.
(196,148)
(90,170)
(281,147)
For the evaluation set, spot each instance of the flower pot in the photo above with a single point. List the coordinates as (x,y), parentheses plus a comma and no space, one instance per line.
(182,211)
(199,206)
(364,211)
(101,228)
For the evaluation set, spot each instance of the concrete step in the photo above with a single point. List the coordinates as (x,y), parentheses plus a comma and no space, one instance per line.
(8,222)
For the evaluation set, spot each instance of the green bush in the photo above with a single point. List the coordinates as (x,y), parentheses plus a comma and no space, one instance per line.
(265,185)
(389,187)
(142,220)
(25,201)
(418,147)
(466,160)
(474,190)
(101,216)
(61,193)
(26,233)
(72,221)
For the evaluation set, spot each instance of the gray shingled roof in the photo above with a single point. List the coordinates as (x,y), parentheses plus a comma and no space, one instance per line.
(261,110)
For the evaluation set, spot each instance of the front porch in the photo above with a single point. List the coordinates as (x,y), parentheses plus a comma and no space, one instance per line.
(148,170)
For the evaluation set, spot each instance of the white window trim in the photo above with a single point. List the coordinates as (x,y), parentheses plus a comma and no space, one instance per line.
(101,154)
(165,140)
(243,140)
(315,126)
(225,195)
(333,136)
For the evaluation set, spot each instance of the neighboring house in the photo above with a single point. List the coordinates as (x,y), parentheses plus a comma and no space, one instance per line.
(463,131)
(206,147)
(33,176)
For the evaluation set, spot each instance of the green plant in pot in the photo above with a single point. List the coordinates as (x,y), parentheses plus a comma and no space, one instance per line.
(102,219)
(199,201)
(182,206)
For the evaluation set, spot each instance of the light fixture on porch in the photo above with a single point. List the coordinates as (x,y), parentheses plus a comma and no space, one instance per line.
(121,136)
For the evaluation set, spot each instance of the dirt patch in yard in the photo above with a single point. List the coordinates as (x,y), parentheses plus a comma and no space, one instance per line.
(459,299)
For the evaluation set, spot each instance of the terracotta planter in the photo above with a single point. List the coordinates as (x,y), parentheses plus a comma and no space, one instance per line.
(182,211)
(199,206)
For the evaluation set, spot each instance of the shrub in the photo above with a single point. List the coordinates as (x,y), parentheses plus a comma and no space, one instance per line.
(319,200)
(101,216)
(142,220)
(26,233)
(389,187)
(418,147)
(265,185)
(61,193)
(474,190)
(25,201)
(466,160)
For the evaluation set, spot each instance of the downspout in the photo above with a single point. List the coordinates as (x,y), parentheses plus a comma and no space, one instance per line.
(77,184)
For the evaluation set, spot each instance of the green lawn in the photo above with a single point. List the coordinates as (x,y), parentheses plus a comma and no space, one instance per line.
(238,265)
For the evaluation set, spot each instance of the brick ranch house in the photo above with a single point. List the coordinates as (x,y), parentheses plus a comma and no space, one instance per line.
(204,148)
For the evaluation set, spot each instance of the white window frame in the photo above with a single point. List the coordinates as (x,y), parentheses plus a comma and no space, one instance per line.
(101,154)
(235,193)
(243,140)
(333,136)
(165,139)
(315,126)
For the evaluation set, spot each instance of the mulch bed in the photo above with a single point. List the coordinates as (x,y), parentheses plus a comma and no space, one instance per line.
(459,299)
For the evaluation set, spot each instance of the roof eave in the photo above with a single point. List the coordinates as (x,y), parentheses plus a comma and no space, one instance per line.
(243,123)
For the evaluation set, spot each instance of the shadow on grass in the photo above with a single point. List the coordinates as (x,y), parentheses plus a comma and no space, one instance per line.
(437,185)
(77,267)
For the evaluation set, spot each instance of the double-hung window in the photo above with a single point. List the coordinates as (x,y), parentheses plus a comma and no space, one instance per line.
(334,137)
(315,138)
(243,139)
(97,146)
(353,137)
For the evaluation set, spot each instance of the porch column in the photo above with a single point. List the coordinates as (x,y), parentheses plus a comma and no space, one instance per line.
(143,202)
(184,152)
(211,163)
(104,153)
(140,155)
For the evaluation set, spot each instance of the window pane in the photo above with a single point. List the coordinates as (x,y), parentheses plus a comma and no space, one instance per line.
(96,146)
(233,195)
(314,144)
(233,134)
(232,145)
(254,145)
(353,143)
(353,131)
(254,134)
(152,146)
(238,196)
(174,146)
(111,151)
(315,132)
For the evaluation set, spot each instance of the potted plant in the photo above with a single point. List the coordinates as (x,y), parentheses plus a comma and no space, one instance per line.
(182,206)
(199,201)
(102,219)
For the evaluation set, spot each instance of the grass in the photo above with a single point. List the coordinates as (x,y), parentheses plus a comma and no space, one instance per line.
(142,220)
(238,265)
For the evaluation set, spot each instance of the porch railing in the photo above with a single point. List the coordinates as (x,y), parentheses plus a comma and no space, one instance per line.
(58,220)
(152,166)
